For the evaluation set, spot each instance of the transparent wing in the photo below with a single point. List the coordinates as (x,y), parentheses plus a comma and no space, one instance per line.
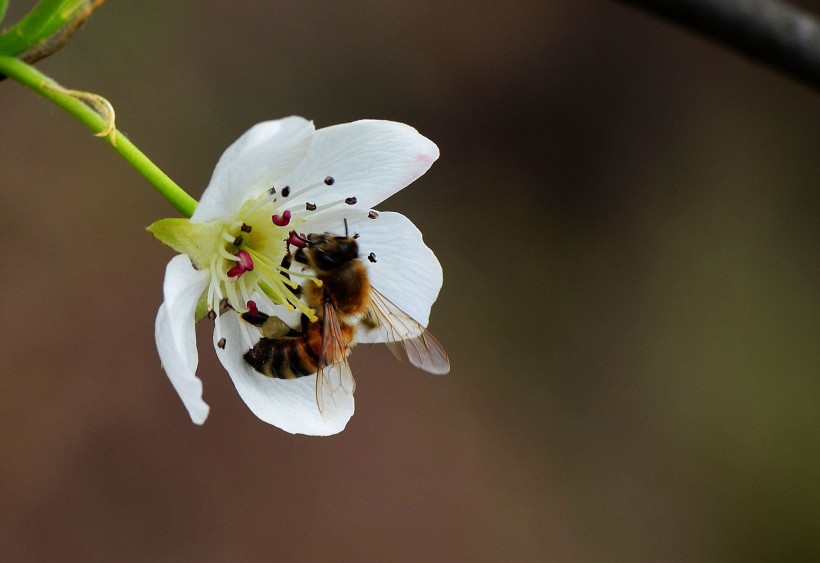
(334,378)
(406,338)
(334,384)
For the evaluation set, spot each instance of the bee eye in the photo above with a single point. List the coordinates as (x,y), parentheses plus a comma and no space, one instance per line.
(325,261)
(349,249)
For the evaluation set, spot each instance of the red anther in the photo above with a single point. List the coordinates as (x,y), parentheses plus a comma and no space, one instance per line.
(245,264)
(235,272)
(283,219)
(296,241)
(245,260)
(253,310)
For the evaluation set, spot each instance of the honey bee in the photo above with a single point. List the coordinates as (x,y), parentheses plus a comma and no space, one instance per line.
(343,300)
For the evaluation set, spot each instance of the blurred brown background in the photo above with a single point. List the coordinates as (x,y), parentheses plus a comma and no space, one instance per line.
(627,217)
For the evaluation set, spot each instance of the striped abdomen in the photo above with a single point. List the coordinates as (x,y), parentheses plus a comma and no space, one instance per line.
(290,357)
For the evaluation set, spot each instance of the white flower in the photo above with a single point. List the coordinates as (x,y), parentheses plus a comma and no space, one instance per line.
(281,177)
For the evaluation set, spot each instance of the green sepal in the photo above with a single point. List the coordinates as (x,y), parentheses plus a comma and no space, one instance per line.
(197,240)
(201,310)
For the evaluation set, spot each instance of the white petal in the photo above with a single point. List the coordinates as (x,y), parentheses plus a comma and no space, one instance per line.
(406,271)
(175,333)
(254,163)
(369,160)
(287,404)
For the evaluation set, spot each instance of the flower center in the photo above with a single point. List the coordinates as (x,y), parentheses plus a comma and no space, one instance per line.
(248,258)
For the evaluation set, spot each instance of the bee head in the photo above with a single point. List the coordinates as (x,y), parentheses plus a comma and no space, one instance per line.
(328,251)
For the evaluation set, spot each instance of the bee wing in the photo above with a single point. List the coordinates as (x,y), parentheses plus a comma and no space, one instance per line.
(335,376)
(333,382)
(334,345)
(406,338)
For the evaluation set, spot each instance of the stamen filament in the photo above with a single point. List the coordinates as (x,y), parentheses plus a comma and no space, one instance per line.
(222,275)
(233,297)
(271,293)
(243,289)
(336,203)
(322,182)
(297,274)
(214,290)
(262,202)
(211,284)
(269,264)
(227,255)
(273,284)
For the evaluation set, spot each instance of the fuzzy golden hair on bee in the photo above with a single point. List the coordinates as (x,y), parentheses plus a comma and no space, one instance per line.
(344,301)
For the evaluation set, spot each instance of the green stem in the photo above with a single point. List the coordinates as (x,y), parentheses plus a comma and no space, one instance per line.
(46,87)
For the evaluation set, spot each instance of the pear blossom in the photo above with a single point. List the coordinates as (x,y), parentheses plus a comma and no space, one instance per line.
(277,182)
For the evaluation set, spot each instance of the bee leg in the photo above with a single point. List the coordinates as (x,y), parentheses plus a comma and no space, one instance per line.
(257,319)
(274,328)
(305,323)
(271,326)
(287,260)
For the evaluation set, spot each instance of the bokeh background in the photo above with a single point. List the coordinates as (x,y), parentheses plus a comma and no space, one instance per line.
(627,216)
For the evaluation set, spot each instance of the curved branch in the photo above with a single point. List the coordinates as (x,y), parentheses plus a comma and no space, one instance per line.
(96,113)
(778,34)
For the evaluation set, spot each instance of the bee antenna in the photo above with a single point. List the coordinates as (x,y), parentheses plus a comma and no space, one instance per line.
(347,233)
